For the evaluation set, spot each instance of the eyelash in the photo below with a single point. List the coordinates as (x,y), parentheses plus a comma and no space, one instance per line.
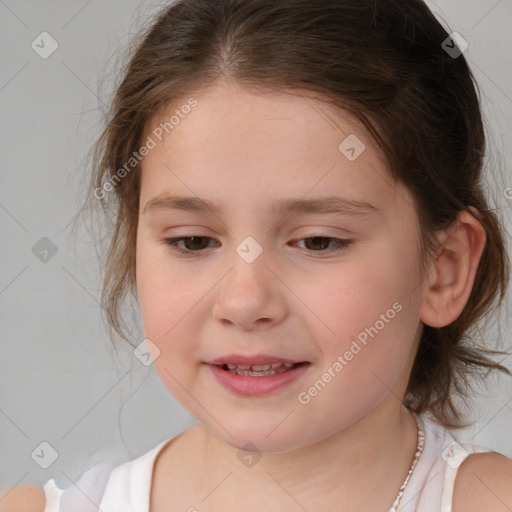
(341,244)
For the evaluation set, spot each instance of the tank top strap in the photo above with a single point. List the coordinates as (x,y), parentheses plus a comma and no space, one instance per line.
(431,486)
(129,486)
(107,486)
(453,456)
(83,495)
(53,495)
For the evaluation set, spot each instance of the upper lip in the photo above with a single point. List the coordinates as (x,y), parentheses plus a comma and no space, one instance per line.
(256,359)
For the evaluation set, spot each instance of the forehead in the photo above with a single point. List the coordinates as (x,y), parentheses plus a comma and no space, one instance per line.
(262,115)
(258,144)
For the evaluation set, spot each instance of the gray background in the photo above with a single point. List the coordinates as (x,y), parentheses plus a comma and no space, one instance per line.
(60,380)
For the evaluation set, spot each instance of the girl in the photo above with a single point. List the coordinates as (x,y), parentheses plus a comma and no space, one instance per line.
(297,203)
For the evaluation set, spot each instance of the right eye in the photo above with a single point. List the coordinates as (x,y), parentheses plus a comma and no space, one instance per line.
(195,243)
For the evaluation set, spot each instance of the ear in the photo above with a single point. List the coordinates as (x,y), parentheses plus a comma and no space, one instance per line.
(450,282)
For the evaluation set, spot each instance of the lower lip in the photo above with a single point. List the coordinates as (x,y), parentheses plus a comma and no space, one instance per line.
(254,386)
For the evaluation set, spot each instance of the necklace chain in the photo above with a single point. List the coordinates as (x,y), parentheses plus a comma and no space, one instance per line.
(419,449)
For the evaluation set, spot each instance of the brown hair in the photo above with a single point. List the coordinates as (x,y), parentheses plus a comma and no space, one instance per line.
(383,61)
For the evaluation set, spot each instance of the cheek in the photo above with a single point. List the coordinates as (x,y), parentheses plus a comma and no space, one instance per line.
(166,304)
(369,318)
(165,300)
(374,325)
(150,290)
(165,294)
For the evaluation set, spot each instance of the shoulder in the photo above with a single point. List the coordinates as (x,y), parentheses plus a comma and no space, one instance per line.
(25,498)
(483,482)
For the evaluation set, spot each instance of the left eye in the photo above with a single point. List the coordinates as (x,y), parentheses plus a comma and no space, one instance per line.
(195,244)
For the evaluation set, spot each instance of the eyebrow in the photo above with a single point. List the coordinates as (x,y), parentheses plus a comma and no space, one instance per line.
(320,205)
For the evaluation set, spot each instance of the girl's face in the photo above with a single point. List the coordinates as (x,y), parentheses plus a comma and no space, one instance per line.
(262,280)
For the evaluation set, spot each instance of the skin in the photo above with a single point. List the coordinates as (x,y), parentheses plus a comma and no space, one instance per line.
(244,150)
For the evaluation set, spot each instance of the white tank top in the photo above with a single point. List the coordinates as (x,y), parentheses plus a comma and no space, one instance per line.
(126,488)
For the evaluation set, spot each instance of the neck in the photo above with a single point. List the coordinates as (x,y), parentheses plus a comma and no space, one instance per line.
(350,467)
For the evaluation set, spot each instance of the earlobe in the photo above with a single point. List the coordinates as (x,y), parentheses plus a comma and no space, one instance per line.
(449,285)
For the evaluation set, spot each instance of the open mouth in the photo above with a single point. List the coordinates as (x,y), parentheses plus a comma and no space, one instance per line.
(261,370)
(267,375)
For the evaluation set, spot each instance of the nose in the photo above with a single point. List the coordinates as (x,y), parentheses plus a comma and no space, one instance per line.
(250,297)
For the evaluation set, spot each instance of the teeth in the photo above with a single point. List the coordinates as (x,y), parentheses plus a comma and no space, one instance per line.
(263,370)
(261,367)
